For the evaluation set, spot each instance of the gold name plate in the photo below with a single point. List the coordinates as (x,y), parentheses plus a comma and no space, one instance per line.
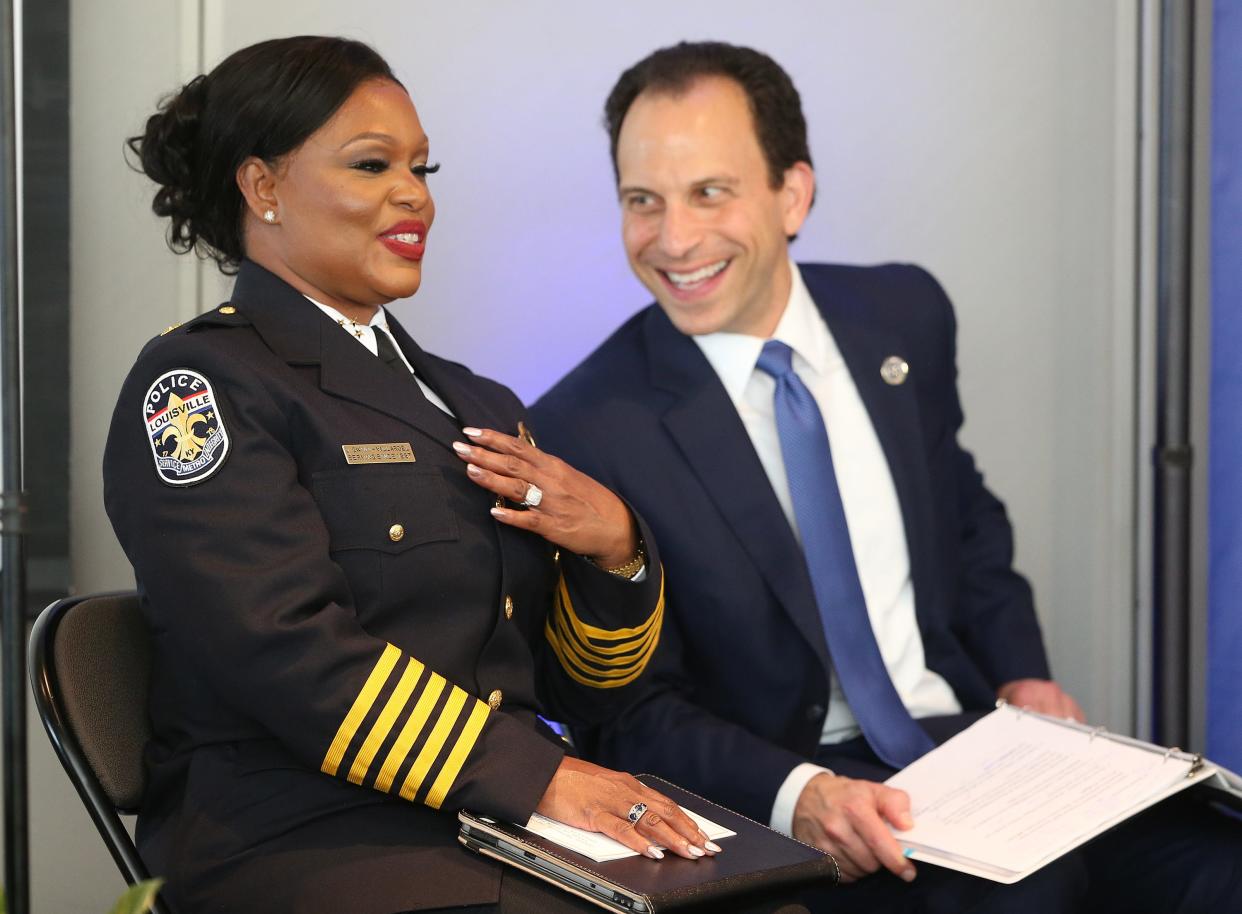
(397,452)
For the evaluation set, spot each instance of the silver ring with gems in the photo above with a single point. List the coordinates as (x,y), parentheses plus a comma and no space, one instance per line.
(534,495)
(637,811)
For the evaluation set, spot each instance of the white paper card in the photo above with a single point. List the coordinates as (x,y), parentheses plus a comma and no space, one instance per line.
(600,847)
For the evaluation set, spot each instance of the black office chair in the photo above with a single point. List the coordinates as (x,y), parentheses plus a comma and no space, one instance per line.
(90,666)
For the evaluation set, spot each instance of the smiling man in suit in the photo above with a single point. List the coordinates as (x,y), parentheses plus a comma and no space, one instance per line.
(840,591)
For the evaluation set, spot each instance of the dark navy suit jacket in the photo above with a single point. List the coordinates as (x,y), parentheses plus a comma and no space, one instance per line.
(740,684)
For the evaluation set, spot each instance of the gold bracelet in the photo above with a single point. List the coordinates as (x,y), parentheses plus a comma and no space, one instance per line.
(629,568)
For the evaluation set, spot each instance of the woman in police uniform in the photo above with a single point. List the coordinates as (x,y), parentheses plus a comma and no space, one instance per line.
(363,578)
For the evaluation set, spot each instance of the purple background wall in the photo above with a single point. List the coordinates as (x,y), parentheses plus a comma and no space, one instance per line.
(1225,470)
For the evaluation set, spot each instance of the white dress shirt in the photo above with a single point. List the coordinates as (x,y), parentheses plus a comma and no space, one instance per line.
(868,495)
(365,334)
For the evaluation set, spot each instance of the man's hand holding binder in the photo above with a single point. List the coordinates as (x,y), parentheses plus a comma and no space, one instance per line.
(851,820)
(1042,695)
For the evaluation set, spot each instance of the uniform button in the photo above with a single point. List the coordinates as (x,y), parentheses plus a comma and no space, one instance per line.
(228,309)
(396,533)
(814,712)
(508,607)
(493,700)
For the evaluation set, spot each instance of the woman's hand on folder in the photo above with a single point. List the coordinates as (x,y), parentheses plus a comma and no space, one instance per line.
(850,820)
(599,799)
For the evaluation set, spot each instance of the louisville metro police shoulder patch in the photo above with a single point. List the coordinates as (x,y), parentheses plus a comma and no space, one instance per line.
(185,427)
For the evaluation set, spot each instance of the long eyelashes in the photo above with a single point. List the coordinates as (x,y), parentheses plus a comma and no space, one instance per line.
(379,166)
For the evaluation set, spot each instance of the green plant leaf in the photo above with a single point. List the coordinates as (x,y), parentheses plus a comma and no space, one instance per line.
(137,898)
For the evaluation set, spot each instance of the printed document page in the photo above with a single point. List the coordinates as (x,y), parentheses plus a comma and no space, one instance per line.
(1016,790)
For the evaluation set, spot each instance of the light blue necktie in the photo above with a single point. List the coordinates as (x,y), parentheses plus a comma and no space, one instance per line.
(890,730)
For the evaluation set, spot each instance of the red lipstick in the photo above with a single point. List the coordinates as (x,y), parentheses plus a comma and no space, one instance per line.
(406,239)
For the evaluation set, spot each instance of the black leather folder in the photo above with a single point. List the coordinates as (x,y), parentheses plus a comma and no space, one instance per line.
(756,861)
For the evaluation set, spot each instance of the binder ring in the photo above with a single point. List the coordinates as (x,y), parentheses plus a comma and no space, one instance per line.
(1094,733)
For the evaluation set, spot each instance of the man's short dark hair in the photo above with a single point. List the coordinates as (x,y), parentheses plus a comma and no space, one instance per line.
(775,106)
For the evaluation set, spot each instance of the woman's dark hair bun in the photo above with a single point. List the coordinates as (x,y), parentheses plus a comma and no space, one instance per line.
(166,151)
(263,101)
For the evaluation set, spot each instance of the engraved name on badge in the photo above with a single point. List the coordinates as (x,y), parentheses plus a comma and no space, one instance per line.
(394,452)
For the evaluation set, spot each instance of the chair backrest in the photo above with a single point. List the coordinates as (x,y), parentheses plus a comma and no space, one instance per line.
(90,667)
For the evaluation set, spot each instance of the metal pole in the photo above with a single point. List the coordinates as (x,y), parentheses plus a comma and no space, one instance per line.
(12,503)
(1174,454)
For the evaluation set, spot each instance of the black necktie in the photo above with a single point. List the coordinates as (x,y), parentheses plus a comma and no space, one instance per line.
(387,351)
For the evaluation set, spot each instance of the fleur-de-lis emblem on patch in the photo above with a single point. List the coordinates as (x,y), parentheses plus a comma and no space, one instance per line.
(184,427)
(185,435)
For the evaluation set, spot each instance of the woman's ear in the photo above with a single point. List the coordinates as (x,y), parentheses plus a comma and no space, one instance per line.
(258,182)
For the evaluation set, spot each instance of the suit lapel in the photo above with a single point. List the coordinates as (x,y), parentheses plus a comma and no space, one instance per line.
(301,334)
(349,371)
(893,409)
(707,429)
(445,379)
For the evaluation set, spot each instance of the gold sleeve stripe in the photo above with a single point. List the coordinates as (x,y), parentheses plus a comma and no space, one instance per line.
(566,604)
(609,668)
(435,742)
(383,724)
(362,704)
(591,666)
(452,765)
(607,657)
(596,683)
(601,666)
(581,679)
(409,733)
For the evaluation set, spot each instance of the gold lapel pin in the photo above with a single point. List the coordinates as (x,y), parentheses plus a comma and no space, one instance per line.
(525,435)
(894,370)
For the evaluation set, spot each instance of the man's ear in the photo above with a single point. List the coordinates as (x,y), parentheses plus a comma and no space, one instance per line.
(258,182)
(796,194)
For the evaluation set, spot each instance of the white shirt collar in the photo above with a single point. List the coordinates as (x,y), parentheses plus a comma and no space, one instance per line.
(378,319)
(801,327)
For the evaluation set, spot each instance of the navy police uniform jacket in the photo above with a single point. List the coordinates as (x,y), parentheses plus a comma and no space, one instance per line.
(740,683)
(346,650)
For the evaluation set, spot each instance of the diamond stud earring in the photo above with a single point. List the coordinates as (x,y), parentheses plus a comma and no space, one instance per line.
(269,215)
